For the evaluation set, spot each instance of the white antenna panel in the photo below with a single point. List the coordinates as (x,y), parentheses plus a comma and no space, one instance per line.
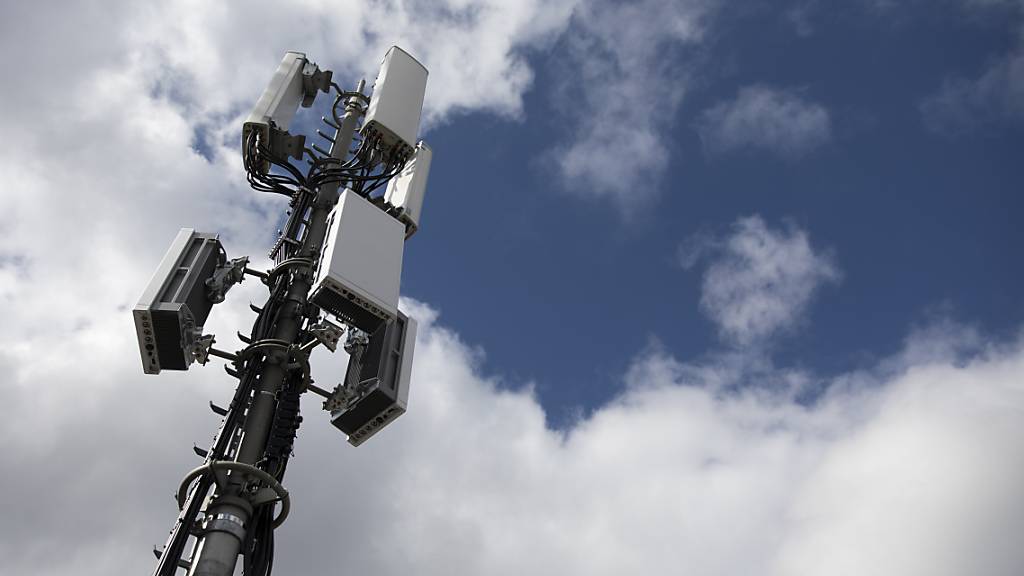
(406,190)
(396,102)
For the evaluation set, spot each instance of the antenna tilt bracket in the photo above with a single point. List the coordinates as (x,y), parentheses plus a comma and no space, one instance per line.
(224,277)
(314,79)
(282,143)
(201,348)
(340,398)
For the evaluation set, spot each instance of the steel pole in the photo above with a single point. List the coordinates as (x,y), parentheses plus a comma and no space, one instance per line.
(217,551)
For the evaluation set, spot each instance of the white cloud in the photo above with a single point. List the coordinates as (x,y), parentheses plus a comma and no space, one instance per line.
(907,470)
(210,59)
(922,487)
(474,50)
(760,281)
(625,73)
(766,118)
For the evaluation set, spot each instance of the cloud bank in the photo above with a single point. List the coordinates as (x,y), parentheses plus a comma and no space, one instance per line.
(909,467)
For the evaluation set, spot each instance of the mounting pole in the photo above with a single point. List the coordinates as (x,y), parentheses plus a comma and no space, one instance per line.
(229,515)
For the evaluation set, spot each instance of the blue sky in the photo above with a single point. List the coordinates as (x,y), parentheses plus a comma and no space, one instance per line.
(725,285)
(919,222)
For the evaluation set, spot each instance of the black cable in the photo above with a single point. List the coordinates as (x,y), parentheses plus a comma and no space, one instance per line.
(255,153)
(324,169)
(258,549)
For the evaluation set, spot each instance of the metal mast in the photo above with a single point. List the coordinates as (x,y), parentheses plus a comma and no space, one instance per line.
(231,504)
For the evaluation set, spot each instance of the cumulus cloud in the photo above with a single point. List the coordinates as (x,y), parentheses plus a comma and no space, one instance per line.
(759,280)
(625,72)
(150,101)
(911,469)
(207,61)
(475,51)
(771,119)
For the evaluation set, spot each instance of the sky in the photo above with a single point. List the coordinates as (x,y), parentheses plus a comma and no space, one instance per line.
(704,287)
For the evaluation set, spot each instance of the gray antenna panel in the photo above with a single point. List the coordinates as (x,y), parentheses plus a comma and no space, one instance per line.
(175,305)
(278,104)
(381,373)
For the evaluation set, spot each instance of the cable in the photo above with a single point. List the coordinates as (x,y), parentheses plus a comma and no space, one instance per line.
(255,153)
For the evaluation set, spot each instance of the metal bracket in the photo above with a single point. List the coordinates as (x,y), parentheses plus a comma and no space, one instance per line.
(264,495)
(314,79)
(356,339)
(224,278)
(283,144)
(339,399)
(299,360)
(346,392)
(328,333)
(201,348)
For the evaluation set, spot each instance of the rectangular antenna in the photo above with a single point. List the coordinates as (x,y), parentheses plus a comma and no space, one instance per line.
(396,102)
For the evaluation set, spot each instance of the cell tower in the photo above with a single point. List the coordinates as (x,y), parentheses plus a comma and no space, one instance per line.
(337,265)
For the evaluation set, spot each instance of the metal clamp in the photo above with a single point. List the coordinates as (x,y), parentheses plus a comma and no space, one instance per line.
(339,399)
(224,522)
(284,265)
(314,79)
(356,340)
(266,343)
(296,356)
(284,144)
(228,465)
(299,360)
(201,347)
(224,277)
(327,333)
